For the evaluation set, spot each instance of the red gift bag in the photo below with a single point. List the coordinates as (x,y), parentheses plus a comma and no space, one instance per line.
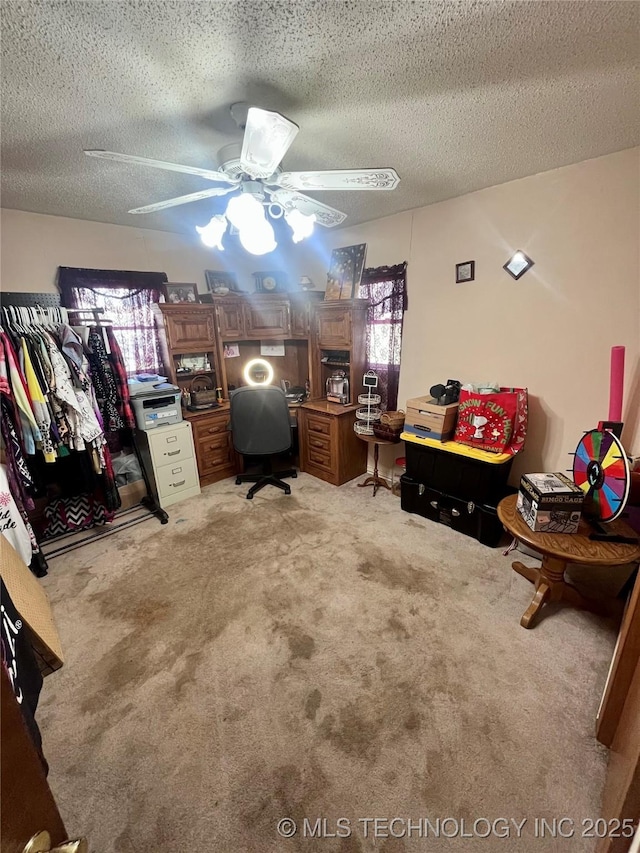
(494,422)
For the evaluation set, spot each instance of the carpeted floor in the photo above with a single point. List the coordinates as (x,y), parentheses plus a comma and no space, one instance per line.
(321,655)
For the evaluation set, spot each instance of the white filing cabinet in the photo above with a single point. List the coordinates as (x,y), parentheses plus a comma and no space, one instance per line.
(169,458)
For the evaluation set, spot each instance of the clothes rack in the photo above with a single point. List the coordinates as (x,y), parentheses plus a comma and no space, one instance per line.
(21,316)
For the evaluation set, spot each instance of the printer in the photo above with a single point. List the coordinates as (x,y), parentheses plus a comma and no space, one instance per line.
(155,404)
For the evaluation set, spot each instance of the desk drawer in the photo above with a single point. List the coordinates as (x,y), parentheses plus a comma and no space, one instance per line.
(319,443)
(318,426)
(318,457)
(177,477)
(205,429)
(171,445)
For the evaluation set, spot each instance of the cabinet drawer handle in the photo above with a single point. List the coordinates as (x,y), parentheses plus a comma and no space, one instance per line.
(172,452)
(181,483)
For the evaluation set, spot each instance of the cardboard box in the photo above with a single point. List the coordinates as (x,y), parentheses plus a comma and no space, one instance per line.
(550,503)
(32,604)
(132,493)
(426,418)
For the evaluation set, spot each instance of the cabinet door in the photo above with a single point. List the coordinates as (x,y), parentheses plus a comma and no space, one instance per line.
(299,318)
(267,318)
(190,329)
(230,319)
(333,326)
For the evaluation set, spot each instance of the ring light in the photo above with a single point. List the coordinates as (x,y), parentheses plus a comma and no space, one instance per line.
(258,362)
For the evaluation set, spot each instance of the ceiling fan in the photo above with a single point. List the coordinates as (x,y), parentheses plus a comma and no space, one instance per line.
(258,181)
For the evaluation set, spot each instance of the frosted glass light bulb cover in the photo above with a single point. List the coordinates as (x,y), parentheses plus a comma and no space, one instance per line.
(244,210)
(258,239)
(300,224)
(211,234)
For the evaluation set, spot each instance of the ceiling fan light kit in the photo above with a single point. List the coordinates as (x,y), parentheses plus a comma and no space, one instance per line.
(262,189)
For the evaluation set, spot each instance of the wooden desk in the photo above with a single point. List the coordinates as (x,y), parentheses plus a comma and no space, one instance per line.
(375,480)
(558,551)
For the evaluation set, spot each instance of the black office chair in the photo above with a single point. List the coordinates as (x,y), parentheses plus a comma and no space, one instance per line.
(260,426)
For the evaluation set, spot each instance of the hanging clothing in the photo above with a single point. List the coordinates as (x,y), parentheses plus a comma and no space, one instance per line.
(40,406)
(12,524)
(104,382)
(121,378)
(9,369)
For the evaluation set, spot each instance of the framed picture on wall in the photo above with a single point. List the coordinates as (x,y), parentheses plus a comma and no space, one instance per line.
(176,292)
(217,280)
(345,272)
(465,271)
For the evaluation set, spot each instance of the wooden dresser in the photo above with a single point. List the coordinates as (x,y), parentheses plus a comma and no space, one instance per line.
(329,448)
(212,440)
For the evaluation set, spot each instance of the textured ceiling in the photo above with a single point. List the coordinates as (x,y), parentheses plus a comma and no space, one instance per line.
(455,96)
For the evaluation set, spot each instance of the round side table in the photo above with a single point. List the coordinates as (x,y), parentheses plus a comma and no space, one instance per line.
(560,550)
(375,480)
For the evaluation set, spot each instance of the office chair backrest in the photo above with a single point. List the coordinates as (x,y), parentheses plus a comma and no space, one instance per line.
(260,422)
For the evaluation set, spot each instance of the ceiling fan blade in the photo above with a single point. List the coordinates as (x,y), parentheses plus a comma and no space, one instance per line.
(325,215)
(267,137)
(209,174)
(340,179)
(183,199)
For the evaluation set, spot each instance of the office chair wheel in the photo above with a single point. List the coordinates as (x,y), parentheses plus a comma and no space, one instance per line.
(287,491)
(294,475)
(249,497)
(238,481)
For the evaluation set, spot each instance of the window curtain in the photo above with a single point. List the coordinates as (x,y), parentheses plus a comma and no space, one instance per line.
(127,298)
(385,288)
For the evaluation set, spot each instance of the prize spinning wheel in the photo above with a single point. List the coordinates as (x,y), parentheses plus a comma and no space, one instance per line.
(601,469)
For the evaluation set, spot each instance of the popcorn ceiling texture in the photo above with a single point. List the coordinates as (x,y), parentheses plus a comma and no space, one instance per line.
(322,654)
(455,95)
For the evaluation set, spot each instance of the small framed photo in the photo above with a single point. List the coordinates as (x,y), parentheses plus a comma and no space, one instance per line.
(175,292)
(271,281)
(218,281)
(466,271)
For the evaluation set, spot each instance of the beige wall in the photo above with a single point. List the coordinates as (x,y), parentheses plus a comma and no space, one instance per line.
(34,246)
(551,331)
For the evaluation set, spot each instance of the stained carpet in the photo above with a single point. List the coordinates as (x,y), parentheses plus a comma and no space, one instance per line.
(322,655)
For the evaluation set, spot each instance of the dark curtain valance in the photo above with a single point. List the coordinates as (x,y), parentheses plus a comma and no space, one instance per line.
(395,277)
(70,277)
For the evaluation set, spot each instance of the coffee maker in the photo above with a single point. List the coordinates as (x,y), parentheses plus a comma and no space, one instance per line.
(337,387)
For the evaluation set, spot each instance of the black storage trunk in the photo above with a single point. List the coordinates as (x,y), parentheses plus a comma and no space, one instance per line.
(467,479)
(477,520)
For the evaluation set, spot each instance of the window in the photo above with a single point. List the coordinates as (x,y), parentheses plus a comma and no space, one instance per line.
(386,290)
(127,298)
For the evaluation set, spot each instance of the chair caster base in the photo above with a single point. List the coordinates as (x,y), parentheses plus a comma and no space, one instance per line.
(238,481)
(287,491)
(249,497)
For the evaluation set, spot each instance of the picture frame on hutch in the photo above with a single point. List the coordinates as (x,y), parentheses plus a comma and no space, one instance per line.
(176,292)
(217,280)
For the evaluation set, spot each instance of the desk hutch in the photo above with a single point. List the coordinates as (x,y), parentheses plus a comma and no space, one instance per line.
(318,337)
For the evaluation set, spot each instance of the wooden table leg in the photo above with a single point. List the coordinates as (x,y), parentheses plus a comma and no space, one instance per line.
(551,586)
(549,581)
(375,480)
(529,572)
(541,595)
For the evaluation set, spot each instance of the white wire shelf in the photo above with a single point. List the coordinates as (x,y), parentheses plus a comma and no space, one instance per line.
(362,429)
(368,414)
(369,399)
